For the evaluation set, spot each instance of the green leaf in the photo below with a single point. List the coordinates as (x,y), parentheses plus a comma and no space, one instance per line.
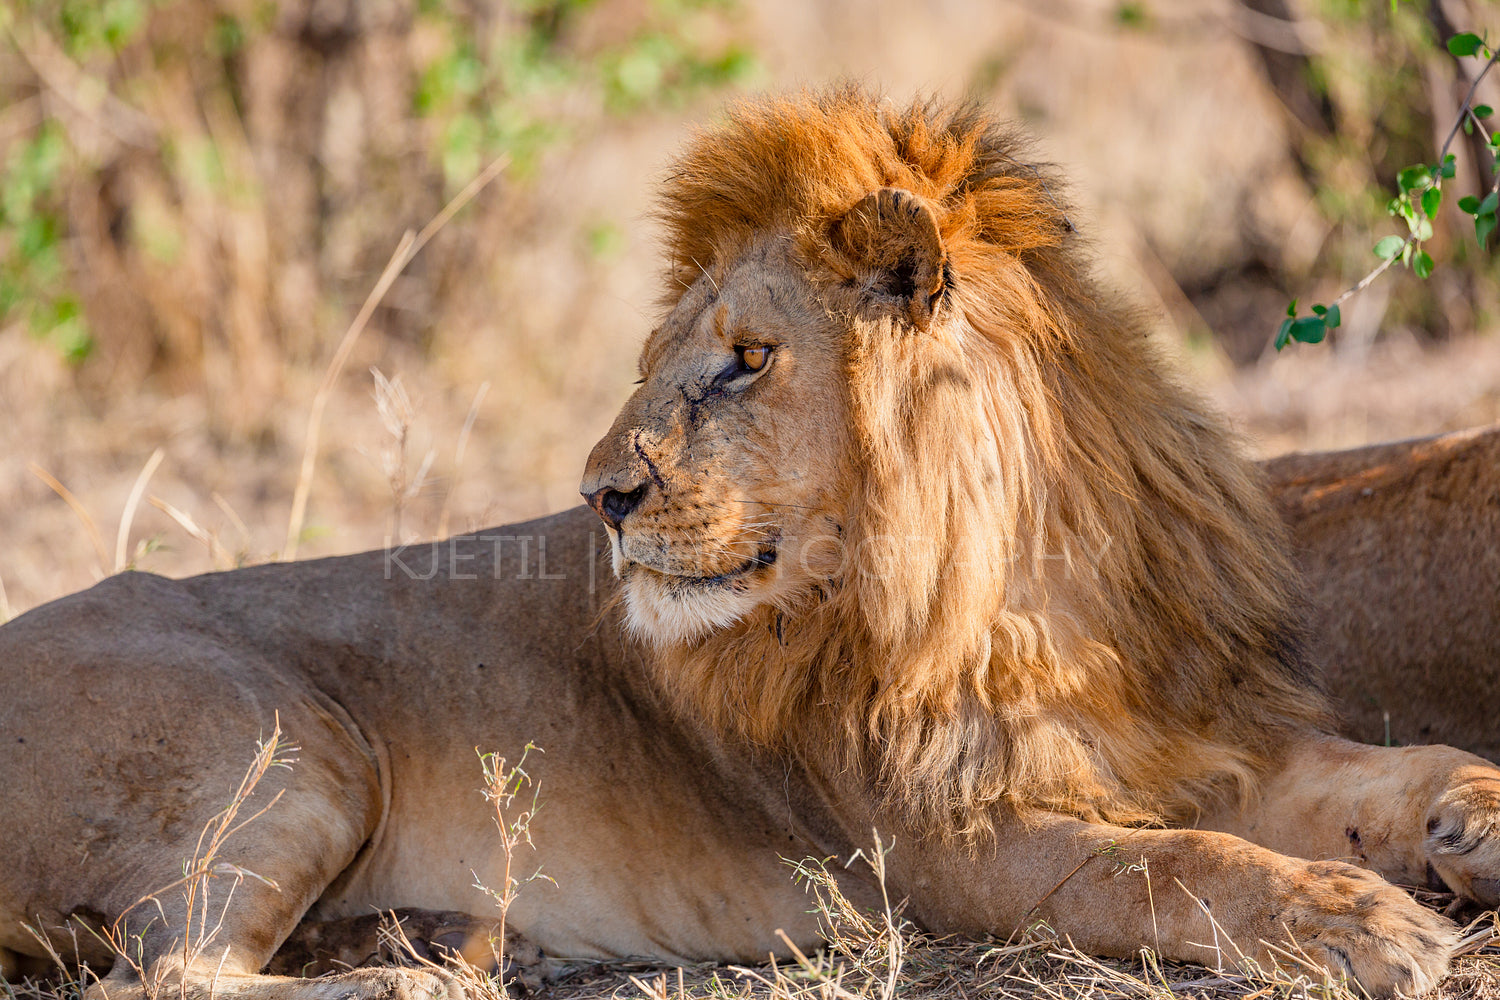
(1422,264)
(1490,203)
(1422,230)
(1309,330)
(1328,315)
(1482,110)
(1414,178)
(122,21)
(1468,204)
(1388,247)
(1449,165)
(1432,200)
(1484,224)
(1291,309)
(1465,44)
(1132,15)
(1283,334)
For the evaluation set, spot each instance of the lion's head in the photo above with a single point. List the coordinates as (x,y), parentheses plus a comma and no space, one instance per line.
(898,468)
(727,472)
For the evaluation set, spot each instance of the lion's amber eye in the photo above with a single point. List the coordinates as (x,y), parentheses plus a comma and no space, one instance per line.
(753,358)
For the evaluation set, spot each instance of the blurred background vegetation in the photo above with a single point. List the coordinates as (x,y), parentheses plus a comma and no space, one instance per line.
(196,196)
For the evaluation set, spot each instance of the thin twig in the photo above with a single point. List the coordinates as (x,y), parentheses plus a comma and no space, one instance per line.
(1411,237)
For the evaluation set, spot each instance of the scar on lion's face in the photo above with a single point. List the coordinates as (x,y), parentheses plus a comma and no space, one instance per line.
(724,465)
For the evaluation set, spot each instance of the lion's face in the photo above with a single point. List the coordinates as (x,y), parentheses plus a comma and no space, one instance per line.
(722,480)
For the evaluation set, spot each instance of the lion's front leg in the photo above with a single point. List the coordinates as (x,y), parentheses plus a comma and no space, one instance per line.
(1187,894)
(1416,815)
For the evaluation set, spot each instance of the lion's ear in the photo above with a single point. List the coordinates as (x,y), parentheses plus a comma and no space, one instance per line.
(892,235)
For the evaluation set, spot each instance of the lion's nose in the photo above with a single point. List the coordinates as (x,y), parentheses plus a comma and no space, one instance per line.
(613,506)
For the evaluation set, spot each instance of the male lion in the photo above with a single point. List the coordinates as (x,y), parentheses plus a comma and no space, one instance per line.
(913,531)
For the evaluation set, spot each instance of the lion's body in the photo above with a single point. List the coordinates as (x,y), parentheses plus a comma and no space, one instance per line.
(1400,546)
(388,691)
(907,528)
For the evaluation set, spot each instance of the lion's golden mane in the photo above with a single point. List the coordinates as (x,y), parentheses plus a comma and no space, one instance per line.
(1070,591)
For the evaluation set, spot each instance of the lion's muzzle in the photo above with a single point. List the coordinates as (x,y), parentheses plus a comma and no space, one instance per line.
(614,505)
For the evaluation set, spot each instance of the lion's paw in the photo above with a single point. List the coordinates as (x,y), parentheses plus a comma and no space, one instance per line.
(1354,923)
(1462,840)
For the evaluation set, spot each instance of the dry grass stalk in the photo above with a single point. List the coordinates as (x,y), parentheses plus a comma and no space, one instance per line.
(89,527)
(217,554)
(396,413)
(127,515)
(409,246)
(872,946)
(1481,933)
(240,527)
(458,458)
(198,872)
(69,980)
(502,786)
(476,984)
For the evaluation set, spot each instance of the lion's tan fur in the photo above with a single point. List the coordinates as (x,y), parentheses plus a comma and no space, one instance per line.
(1400,545)
(1071,590)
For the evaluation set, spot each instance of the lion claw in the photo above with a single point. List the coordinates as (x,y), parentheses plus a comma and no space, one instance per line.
(1353,922)
(1463,837)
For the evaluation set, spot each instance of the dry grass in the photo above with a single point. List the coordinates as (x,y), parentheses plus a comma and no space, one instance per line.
(880,956)
(867,955)
(907,964)
(395,406)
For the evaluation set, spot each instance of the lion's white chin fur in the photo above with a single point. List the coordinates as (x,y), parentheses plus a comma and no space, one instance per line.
(662,613)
